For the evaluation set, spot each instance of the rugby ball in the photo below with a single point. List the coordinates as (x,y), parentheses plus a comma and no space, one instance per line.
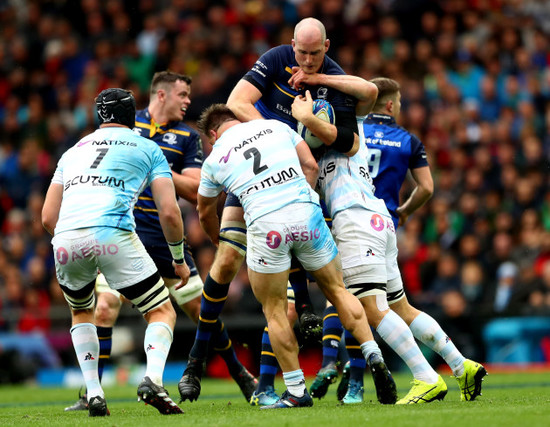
(323,110)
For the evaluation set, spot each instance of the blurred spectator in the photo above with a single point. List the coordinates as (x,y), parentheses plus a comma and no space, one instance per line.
(475,80)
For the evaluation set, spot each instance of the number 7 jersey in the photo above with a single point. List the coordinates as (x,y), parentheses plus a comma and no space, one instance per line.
(257,161)
(102,176)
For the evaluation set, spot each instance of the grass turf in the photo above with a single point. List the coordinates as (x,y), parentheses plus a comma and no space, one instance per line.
(509,399)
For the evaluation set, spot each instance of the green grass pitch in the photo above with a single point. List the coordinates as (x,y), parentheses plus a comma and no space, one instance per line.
(509,399)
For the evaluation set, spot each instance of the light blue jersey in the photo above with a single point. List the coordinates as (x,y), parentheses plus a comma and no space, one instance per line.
(344,182)
(102,176)
(257,162)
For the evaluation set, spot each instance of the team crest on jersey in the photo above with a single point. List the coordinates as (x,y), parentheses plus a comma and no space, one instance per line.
(322,93)
(169,138)
(378,134)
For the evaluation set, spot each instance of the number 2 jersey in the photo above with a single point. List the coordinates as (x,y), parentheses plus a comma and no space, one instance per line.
(182,148)
(392,152)
(102,176)
(257,161)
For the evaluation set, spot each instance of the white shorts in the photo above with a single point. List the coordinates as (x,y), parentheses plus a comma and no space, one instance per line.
(118,254)
(297,229)
(191,290)
(368,248)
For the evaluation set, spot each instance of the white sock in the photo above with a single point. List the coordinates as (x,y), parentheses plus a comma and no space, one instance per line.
(369,347)
(86,347)
(395,332)
(427,330)
(295,382)
(157,342)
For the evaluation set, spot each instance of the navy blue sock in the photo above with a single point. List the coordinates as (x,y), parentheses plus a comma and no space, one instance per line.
(356,360)
(213,299)
(224,347)
(268,364)
(332,334)
(105,336)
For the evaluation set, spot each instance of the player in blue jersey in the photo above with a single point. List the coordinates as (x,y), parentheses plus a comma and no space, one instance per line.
(267,91)
(89,211)
(162,122)
(271,169)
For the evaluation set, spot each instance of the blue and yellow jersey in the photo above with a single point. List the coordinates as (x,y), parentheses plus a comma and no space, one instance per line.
(270,75)
(182,147)
(392,152)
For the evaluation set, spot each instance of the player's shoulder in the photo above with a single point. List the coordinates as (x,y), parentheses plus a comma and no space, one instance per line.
(183,127)
(279,54)
(331,67)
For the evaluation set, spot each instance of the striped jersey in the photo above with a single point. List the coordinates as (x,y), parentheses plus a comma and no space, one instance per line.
(182,148)
(102,176)
(344,182)
(270,75)
(257,161)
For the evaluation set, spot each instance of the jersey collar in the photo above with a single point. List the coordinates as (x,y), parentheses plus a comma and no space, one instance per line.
(380,119)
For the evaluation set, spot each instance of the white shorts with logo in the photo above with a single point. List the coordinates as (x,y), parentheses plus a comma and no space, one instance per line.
(296,229)
(118,254)
(368,248)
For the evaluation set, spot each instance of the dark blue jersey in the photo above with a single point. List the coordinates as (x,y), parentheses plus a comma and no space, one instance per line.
(392,152)
(183,149)
(270,75)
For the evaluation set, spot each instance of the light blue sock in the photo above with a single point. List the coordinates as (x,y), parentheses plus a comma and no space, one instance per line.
(395,332)
(157,342)
(295,382)
(86,346)
(427,330)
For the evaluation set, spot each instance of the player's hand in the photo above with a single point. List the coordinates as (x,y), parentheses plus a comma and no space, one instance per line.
(182,270)
(403,217)
(302,107)
(299,79)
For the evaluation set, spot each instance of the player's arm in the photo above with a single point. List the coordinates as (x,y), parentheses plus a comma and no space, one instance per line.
(208,217)
(187,183)
(242,99)
(365,91)
(420,195)
(341,138)
(171,223)
(308,163)
(51,207)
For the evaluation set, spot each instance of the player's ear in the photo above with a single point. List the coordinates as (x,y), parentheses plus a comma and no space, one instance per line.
(327,45)
(212,136)
(293,43)
(389,105)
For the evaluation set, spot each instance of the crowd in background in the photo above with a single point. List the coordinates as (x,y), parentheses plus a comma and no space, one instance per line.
(475,84)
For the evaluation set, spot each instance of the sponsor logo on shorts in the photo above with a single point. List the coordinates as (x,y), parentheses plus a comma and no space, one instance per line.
(377,222)
(63,255)
(302,236)
(273,239)
(261,261)
(370,253)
